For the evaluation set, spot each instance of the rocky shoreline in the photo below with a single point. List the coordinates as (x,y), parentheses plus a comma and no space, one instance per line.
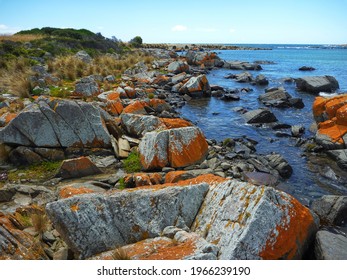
(191,198)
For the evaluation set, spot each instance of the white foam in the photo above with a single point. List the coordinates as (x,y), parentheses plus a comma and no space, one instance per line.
(327,94)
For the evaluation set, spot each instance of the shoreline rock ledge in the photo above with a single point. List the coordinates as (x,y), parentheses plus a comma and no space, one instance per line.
(235,220)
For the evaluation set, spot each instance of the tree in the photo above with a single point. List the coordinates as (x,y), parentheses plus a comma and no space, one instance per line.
(136,42)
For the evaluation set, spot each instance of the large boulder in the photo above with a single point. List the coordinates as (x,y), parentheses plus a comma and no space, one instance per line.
(254,222)
(259,116)
(317,84)
(178,66)
(177,147)
(94,223)
(331,244)
(57,124)
(196,86)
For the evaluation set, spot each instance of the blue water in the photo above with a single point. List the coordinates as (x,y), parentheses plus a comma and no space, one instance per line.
(218,120)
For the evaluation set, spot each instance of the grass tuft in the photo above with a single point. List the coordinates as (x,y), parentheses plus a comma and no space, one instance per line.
(120,254)
(132,163)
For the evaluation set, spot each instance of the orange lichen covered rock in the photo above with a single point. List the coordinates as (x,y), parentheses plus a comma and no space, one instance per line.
(136,107)
(331,115)
(177,147)
(161,80)
(187,146)
(175,123)
(114,107)
(175,244)
(6,118)
(254,222)
(289,236)
(175,176)
(113,96)
(341,115)
(77,167)
(16,244)
(130,92)
(71,191)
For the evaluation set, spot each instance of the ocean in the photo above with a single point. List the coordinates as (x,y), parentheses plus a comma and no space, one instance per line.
(313,176)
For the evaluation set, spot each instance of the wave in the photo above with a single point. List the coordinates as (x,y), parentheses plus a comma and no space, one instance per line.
(327,94)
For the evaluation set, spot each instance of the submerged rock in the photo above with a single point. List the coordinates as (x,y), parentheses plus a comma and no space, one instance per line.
(259,116)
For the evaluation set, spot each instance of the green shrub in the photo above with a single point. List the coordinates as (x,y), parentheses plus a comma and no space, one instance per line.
(150,95)
(132,164)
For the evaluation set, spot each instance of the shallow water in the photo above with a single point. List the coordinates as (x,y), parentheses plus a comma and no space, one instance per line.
(218,120)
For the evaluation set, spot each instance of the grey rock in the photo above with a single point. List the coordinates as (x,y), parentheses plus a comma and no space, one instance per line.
(84,56)
(340,156)
(317,84)
(329,144)
(277,97)
(276,161)
(94,223)
(87,87)
(261,80)
(306,68)
(331,210)
(331,244)
(259,116)
(57,123)
(241,65)
(196,86)
(178,66)
(139,125)
(297,130)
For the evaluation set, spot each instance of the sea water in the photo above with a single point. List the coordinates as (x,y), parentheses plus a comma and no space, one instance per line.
(312,176)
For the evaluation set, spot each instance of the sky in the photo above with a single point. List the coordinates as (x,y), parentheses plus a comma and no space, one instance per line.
(187,21)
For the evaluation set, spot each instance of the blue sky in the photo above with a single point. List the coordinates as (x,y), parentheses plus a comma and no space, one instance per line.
(213,21)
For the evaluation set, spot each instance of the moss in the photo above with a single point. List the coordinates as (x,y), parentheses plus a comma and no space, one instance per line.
(150,95)
(132,164)
(42,171)
(121,183)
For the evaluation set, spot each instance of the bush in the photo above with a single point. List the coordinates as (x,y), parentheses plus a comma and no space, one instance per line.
(136,42)
(132,164)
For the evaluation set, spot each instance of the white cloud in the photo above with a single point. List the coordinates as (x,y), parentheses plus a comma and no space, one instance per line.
(4,29)
(179,28)
(232,30)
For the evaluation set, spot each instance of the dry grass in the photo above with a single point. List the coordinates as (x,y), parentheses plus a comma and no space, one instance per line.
(71,68)
(120,254)
(40,223)
(15,78)
(21,38)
